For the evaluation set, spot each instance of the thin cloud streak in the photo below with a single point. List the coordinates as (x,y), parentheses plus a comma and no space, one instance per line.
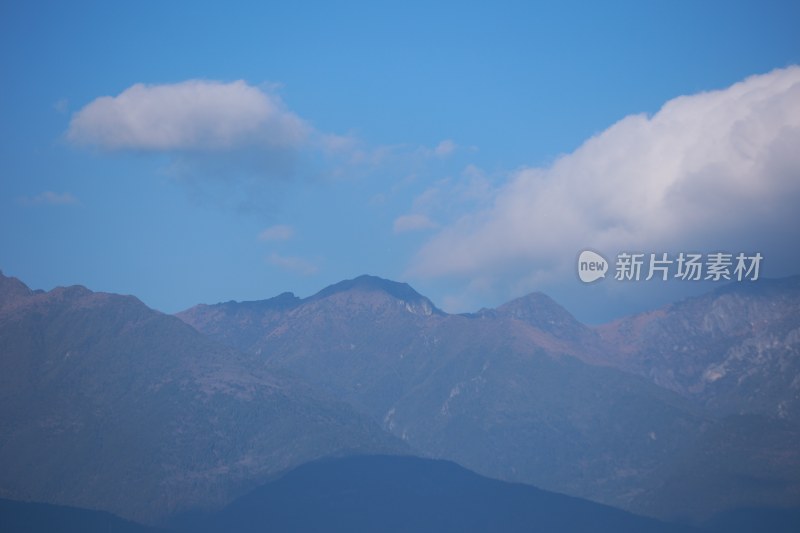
(412,222)
(294,265)
(50,198)
(279,232)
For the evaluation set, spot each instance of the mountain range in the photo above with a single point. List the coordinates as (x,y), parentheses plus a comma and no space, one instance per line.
(681,413)
(734,351)
(527,393)
(110,405)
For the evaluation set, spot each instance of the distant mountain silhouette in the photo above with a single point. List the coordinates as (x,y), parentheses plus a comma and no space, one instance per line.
(392,494)
(408,494)
(754,520)
(24,517)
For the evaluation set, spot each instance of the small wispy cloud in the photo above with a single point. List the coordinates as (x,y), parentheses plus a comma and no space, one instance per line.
(278,232)
(445,148)
(337,144)
(295,265)
(442,150)
(49,198)
(412,222)
(61,105)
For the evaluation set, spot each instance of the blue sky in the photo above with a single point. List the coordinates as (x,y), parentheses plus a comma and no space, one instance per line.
(191,152)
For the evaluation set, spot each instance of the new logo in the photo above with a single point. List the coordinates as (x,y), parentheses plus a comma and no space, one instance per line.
(591,266)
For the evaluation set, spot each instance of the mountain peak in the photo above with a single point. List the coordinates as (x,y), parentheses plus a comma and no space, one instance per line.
(11,288)
(541,311)
(369,283)
(284,301)
(535,307)
(374,284)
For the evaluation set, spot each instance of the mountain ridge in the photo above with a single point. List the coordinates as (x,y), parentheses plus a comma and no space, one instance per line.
(472,387)
(734,350)
(96,388)
(523,393)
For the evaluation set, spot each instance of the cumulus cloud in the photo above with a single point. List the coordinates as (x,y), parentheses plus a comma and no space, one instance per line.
(412,222)
(229,142)
(706,169)
(295,265)
(50,198)
(279,232)
(230,132)
(187,116)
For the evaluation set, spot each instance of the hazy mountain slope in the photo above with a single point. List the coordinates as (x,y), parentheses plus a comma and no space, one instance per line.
(525,392)
(742,461)
(240,324)
(735,350)
(756,520)
(385,493)
(407,494)
(502,391)
(24,517)
(108,404)
(351,338)
(550,421)
(540,311)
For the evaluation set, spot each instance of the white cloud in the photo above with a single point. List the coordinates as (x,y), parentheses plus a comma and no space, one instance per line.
(228,142)
(186,116)
(50,198)
(295,265)
(707,168)
(279,232)
(412,222)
